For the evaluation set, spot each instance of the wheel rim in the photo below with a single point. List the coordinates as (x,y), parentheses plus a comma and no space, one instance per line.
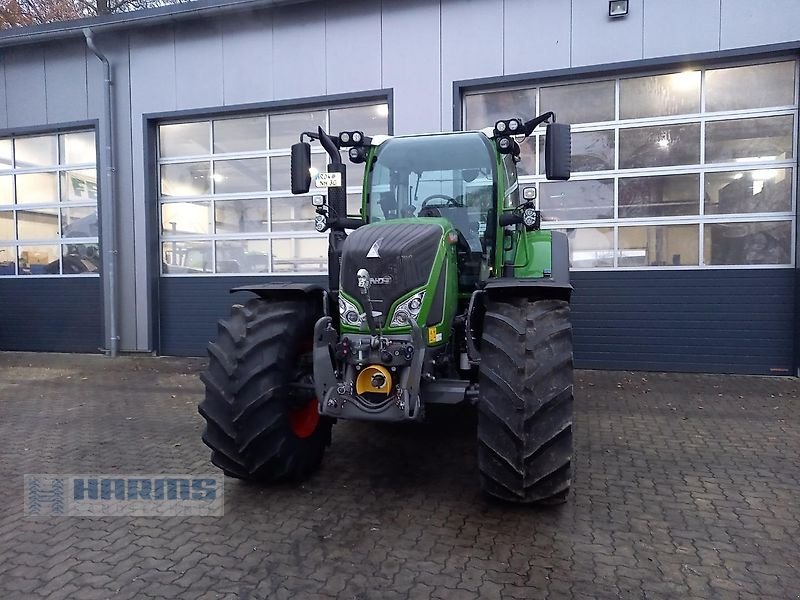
(303,421)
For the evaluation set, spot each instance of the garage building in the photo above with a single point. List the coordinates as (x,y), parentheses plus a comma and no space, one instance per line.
(681,212)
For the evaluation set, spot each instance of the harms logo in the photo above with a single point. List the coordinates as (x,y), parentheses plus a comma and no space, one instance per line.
(124,495)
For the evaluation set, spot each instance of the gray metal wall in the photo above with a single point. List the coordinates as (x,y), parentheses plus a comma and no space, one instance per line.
(416,47)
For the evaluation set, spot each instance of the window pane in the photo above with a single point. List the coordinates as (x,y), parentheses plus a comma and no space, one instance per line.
(5,155)
(767,243)
(658,245)
(659,146)
(186,258)
(37,187)
(186,179)
(285,130)
(484,110)
(760,190)
(80,258)
(181,218)
(40,151)
(79,221)
(38,260)
(292,214)
(372,119)
(78,148)
(299,255)
(756,86)
(764,138)
(239,176)
(37,224)
(661,196)
(242,216)
(279,169)
(243,256)
(240,135)
(8,260)
(591,247)
(7,189)
(184,139)
(7,225)
(354,205)
(576,200)
(580,102)
(591,151)
(79,186)
(661,95)
(527,163)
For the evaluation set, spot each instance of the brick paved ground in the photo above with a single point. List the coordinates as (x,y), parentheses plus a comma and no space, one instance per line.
(687,486)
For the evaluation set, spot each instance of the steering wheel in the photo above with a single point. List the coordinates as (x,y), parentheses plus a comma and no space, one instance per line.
(450,200)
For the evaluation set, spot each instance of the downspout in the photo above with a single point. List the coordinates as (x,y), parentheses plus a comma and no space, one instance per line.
(109,202)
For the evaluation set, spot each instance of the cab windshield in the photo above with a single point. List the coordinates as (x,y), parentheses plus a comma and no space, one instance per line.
(448,175)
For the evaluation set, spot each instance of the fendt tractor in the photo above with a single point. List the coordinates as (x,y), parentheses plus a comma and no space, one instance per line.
(445,291)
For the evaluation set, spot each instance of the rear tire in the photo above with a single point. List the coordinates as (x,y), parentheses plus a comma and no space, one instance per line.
(258,427)
(526,401)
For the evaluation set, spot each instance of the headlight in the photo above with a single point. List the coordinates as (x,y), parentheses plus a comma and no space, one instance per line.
(407,310)
(348,312)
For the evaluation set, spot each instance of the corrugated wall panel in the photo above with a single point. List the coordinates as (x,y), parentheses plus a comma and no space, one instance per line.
(746,23)
(198,64)
(529,46)
(681,27)
(298,39)
(3,104)
(725,321)
(597,39)
(65,82)
(353,46)
(51,314)
(413,69)
(247,62)
(25,89)
(191,307)
(478,53)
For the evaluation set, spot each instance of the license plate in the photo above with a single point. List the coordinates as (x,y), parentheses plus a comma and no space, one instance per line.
(328,180)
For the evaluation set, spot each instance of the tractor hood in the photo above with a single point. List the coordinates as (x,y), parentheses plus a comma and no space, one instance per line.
(402,257)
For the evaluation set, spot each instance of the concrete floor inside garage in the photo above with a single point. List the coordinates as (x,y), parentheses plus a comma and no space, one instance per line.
(687,486)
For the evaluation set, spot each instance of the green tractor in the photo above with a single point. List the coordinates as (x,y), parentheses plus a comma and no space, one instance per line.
(445,291)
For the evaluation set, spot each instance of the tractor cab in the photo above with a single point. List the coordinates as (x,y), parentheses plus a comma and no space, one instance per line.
(448,176)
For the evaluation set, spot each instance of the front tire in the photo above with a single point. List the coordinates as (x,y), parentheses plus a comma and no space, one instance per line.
(525,412)
(262,423)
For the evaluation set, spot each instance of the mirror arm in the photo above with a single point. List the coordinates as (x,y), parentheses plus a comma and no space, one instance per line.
(529,126)
(331,145)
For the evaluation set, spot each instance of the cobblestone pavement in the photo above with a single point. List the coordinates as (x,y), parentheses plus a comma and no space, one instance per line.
(687,487)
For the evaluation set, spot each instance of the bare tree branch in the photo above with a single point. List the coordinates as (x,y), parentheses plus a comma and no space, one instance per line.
(18,13)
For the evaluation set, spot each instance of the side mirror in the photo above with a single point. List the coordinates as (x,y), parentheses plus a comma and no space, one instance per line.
(301,167)
(558,151)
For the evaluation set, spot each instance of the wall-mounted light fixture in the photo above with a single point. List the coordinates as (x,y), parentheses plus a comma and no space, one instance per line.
(618,8)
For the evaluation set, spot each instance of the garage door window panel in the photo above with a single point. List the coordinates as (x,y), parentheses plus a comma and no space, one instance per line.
(749,87)
(38,260)
(767,243)
(750,139)
(186,179)
(247,175)
(37,224)
(247,134)
(8,260)
(659,196)
(187,257)
(184,139)
(37,188)
(285,129)
(7,225)
(484,110)
(77,148)
(660,95)
(35,152)
(659,146)
(242,216)
(659,246)
(569,102)
(6,155)
(79,222)
(186,218)
(577,200)
(243,256)
(753,191)
(79,186)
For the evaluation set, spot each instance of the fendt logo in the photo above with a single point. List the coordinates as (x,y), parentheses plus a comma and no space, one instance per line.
(374,250)
(124,495)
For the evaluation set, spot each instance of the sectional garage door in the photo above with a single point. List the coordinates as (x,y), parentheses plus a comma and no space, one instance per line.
(681,212)
(50,292)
